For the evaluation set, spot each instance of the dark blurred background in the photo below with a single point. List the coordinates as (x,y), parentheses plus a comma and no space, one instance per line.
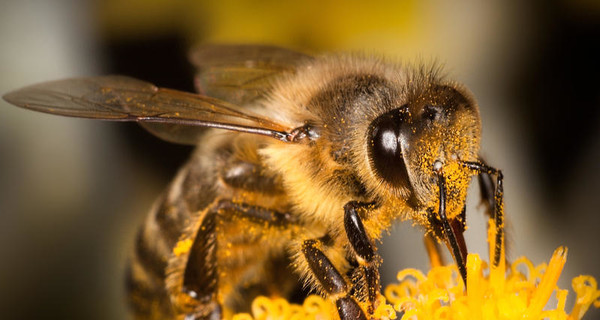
(72,191)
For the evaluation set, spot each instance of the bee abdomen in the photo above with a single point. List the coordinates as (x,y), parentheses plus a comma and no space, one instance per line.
(146,299)
(146,269)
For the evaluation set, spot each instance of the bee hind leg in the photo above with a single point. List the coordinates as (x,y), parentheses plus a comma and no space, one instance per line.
(200,279)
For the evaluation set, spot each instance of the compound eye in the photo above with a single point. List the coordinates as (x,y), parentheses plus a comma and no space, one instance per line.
(385,151)
(385,141)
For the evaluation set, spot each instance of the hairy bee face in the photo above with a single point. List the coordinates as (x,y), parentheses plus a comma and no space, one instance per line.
(440,125)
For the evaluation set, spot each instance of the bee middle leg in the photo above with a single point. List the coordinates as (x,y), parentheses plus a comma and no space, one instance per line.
(331,280)
(200,278)
(364,250)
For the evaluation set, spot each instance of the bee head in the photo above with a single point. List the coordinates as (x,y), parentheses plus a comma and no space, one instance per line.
(407,145)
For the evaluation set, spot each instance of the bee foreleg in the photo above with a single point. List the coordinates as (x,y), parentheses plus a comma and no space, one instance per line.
(332,282)
(496,201)
(486,191)
(494,194)
(493,197)
(499,217)
(363,248)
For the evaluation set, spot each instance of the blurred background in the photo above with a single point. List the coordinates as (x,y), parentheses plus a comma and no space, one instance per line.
(73,192)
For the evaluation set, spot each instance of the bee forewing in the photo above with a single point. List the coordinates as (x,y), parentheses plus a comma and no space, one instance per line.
(96,98)
(119,98)
(241,73)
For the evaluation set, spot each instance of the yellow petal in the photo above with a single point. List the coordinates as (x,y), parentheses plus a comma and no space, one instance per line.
(546,287)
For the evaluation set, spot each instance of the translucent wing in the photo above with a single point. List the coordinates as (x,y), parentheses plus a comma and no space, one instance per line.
(241,74)
(179,115)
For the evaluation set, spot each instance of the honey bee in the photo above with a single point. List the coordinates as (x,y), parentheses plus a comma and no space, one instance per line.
(301,164)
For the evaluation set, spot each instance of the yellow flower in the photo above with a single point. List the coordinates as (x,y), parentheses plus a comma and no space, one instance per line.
(518,295)
(517,291)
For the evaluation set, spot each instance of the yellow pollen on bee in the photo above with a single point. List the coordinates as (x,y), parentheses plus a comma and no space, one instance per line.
(182,247)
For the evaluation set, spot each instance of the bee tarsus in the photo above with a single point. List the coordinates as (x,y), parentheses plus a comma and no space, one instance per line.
(349,309)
